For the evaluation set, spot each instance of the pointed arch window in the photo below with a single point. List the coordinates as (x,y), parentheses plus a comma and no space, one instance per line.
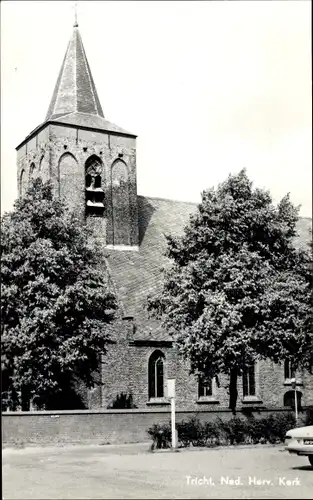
(156,375)
(94,186)
(40,163)
(32,170)
(23,183)
(70,181)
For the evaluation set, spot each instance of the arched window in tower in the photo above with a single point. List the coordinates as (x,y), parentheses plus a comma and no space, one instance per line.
(120,204)
(23,183)
(40,163)
(71,182)
(94,186)
(156,375)
(32,169)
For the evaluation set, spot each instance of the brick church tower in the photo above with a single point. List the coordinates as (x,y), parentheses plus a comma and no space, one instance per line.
(90,161)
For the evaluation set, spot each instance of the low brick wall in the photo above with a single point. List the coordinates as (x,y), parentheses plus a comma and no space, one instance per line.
(95,426)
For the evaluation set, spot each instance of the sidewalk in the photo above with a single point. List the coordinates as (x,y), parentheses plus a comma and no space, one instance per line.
(114,449)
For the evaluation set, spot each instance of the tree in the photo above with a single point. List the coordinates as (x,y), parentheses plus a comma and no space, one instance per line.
(56,306)
(237,289)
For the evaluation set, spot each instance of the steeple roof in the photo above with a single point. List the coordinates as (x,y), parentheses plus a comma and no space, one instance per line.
(75,91)
(75,100)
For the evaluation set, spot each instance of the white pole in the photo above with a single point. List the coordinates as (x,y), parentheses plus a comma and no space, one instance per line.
(170,391)
(174,444)
(296,404)
(294,387)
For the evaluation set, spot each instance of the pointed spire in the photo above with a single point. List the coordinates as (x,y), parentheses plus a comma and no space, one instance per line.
(75,91)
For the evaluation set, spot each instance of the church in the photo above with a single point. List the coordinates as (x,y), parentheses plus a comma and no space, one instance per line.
(92,165)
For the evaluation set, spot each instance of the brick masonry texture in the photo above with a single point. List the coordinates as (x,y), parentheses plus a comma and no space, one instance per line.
(59,153)
(98,427)
(125,370)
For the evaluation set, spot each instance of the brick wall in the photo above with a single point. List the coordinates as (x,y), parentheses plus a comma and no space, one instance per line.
(51,151)
(125,370)
(99,427)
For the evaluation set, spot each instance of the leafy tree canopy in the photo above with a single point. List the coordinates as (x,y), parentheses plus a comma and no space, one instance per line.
(237,289)
(56,306)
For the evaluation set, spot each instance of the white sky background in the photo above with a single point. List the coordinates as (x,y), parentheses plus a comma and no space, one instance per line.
(209,87)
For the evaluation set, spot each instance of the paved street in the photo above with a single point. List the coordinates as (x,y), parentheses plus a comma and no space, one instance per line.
(130,471)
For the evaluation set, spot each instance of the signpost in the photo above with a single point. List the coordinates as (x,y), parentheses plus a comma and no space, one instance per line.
(294,386)
(171,395)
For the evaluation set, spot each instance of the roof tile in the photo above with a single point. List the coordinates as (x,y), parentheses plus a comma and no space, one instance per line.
(75,90)
(137,273)
(75,100)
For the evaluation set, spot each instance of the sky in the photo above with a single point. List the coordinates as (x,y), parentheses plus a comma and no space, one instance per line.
(208,87)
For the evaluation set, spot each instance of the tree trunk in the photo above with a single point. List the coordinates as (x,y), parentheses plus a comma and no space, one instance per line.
(25,400)
(233,393)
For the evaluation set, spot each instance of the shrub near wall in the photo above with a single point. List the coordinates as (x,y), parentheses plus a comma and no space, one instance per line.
(270,429)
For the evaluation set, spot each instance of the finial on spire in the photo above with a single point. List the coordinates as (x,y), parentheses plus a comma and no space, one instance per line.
(75,10)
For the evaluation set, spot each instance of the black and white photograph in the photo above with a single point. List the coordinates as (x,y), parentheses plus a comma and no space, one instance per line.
(156,249)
